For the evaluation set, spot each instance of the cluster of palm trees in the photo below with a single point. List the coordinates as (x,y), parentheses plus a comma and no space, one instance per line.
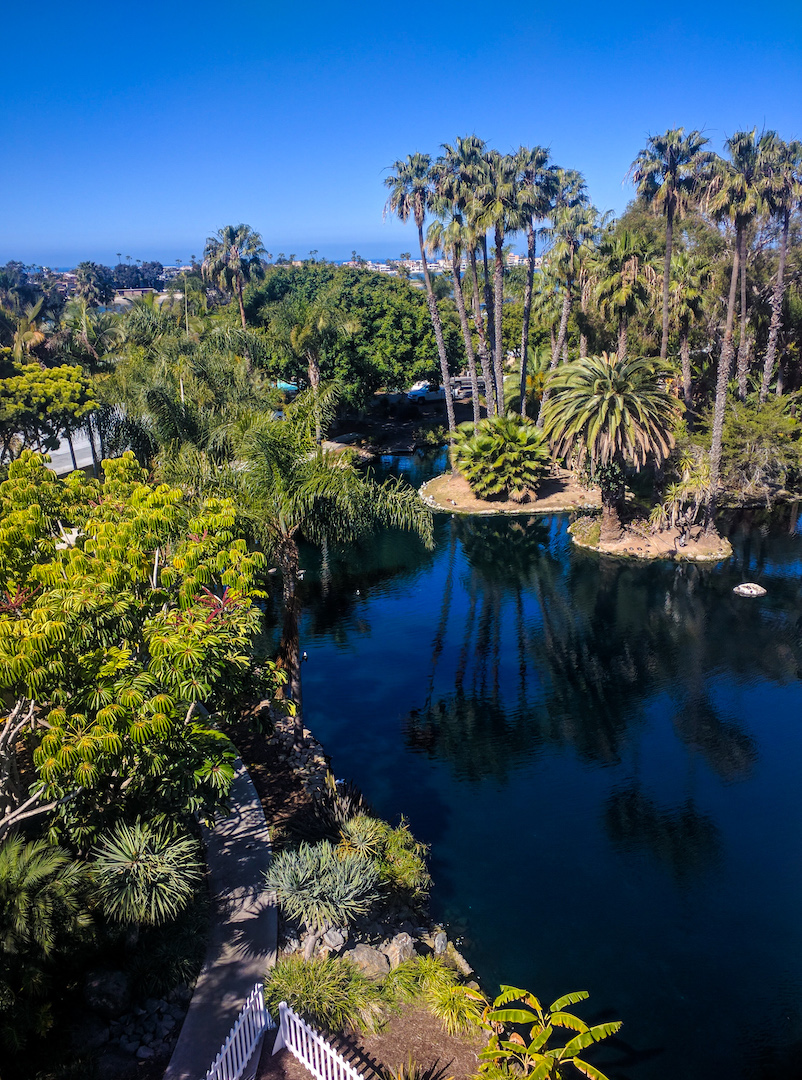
(601,275)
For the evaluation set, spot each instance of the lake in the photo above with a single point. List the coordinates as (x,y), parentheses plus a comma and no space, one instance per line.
(604,756)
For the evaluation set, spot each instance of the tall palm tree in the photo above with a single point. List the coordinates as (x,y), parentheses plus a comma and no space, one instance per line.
(784,194)
(537,188)
(666,173)
(625,277)
(292,487)
(690,276)
(736,192)
(501,212)
(232,258)
(410,184)
(614,411)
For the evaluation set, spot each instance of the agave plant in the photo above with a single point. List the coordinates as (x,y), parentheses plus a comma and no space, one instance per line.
(505,459)
(143,875)
(316,886)
(362,835)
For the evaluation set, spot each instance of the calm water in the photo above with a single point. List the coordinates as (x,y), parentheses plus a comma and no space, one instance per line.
(606,759)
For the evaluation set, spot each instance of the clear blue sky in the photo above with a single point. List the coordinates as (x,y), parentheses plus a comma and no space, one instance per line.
(142,129)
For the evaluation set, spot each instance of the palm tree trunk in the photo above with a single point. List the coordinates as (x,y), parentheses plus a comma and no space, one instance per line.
(484,354)
(241,305)
(556,347)
(743,343)
(724,365)
(489,308)
(90,436)
(459,296)
(289,650)
(313,372)
(583,337)
(498,312)
(776,312)
(685,359)
(611,521)
(530,277)
(667,277)
(622,338)
(438,335)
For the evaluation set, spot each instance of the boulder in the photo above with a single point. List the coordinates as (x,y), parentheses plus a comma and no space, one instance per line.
(334,938)
(370,961)
(440,943)
(107,993)
(145,1052)
(401,948)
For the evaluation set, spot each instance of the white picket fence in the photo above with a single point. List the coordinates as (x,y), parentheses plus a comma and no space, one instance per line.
(311,1049)
(302,1041)
(236,1052)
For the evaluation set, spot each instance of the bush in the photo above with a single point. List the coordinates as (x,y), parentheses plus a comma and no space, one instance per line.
(144,875)
(330,994)
(320,887)
(399,857)
(427,979)
(505,459)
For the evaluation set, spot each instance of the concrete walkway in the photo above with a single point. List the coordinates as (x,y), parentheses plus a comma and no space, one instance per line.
(242,935)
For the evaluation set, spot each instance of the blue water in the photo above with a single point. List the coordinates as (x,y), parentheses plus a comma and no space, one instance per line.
(605,757)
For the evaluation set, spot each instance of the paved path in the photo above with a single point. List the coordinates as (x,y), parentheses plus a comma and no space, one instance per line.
(242,936)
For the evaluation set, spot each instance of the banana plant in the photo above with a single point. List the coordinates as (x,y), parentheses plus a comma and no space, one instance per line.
(508,1053)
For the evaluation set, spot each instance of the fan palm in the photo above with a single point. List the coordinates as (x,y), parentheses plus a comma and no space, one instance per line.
(614,411)
(505,458)
(784,194)
(232,258)
(667,173)
(410,184)
(625,277)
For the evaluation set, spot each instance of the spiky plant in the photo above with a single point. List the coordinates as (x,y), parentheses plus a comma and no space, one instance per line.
(505,459)
(331,994)
(338,803)
(413,1070)
(143,875)
(428,979)
(362,835)
(319,889)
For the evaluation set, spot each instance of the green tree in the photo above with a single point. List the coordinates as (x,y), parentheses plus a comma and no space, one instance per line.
(410,184)
(612,410)
(690,276)
(625,277)
(667,174)
(233,257)
(93,284)
(39,405)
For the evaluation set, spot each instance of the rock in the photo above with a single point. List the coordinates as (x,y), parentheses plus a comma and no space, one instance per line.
(370,961)
(129,1046)
(461,964)
(107,993)
(164,1027)
(115,1066)
(401,948)
(151,1006)
(144,1052)
(334,938)
(440,943)
(89,1033)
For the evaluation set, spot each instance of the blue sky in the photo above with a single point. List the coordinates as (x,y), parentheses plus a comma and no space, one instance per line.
(142,130)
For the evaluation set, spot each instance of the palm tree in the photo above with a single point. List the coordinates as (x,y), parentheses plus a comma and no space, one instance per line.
(40,895)
(410,184)
(690,276)
(615,411)
(784,194)
(292,487)
(232,258)
(667,174)
(736,192)
(625,277)
(538,186)
(501,212)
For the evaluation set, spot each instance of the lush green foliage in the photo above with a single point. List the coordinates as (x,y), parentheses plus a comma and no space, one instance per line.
(427,979)
(504,459)
(119,635)
(508,1053)
(39,406)
(331,994)
(321,886)
(399,857)
(144,875)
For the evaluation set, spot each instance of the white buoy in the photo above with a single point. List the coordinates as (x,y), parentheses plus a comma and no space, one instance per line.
(749,588)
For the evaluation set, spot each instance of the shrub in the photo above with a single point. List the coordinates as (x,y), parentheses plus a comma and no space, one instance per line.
(399,857)
(319,887)
(504,459)
(429,980)
(331,809)
(331,993)
(144,875)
